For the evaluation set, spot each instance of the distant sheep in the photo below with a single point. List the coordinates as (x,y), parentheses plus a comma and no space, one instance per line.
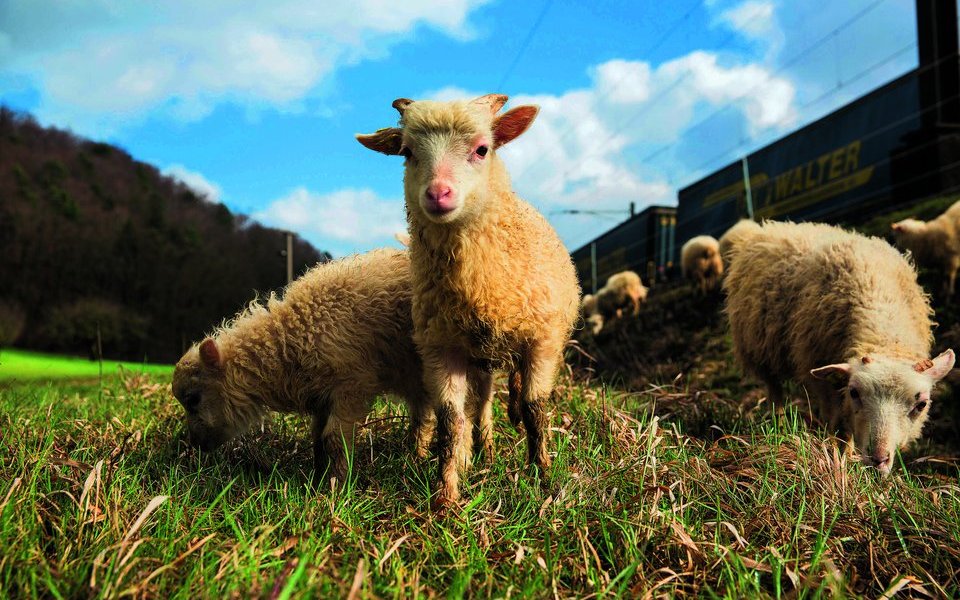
(741,231)
(341,335)
(934,243)
(843,315)
(494,287)
(700,261)
(621,295)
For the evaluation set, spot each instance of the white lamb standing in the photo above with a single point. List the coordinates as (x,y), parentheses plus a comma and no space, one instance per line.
(934,243)
(843,315)
(494,287)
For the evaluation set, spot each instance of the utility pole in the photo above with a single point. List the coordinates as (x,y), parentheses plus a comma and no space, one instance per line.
(289,257)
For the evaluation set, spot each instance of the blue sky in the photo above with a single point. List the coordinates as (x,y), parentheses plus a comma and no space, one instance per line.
(258,107)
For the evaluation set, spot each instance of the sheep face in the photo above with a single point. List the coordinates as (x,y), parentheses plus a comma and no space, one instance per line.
(887,402)
(198,384)
(449,147)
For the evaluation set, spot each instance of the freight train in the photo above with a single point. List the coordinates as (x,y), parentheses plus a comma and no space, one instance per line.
(895,145)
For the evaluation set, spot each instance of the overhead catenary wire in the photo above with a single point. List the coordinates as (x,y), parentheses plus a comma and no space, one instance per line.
(793,61)
(523,45)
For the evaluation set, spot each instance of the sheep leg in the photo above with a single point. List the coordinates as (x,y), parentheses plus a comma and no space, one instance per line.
(338,437)
(774,392)
(321,460)
(445,376)
(337,434)
(514,389)
(482,399)
(951,279)
(538,373)
(423,423)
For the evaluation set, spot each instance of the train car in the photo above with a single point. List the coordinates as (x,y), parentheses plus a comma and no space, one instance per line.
(843,167)
(644,243)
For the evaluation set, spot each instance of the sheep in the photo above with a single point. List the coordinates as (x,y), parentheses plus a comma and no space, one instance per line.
(341,334)
(623,293)
(494,287)
(701,263)
(742,230)
(843,315)
(934,243)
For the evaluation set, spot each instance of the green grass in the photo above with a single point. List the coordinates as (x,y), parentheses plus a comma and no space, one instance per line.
(634,505)
(20,365)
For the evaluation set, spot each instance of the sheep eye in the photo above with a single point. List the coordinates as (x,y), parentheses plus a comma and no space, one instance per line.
(191,402)
(482,151)
(918,408)
(854,393)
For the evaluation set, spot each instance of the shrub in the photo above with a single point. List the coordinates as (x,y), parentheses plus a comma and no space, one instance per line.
(73,328)
(12,322)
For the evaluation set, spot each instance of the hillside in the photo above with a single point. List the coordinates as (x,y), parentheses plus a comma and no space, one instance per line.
(91,237)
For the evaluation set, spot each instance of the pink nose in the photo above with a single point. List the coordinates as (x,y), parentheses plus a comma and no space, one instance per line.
(883,461)
(440,198)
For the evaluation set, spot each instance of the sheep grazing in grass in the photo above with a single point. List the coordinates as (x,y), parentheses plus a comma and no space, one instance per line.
(494,288)
(701,263)
(843,315)
(621,295)
(340,335)
(934,243)
(741,231)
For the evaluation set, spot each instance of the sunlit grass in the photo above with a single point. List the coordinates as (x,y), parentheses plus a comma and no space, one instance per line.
(22,366)
(633,505)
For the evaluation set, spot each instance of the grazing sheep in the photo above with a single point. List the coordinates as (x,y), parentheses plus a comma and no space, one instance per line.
(700,260)
(934,243)
(843,315)
(494,287)
(743,229)
(622,294)
(341,334)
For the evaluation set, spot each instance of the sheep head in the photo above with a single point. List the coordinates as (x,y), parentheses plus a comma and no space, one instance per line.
(449,148)
(214,416)
(887,401)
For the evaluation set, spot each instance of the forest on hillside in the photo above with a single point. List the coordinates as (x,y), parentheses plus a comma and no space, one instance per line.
(93,240)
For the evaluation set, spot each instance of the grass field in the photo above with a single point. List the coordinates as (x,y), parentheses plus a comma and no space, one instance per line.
(100,496)
(22,366)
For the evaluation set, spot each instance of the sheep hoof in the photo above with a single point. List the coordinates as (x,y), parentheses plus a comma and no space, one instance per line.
(445,500)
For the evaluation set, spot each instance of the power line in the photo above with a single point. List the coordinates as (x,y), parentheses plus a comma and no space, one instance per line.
(523,46)
(839,86)
(648,106)
(793,61)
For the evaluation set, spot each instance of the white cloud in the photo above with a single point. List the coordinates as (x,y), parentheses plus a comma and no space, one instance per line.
(754,18)
(338,221)
(195,181)
(125,60)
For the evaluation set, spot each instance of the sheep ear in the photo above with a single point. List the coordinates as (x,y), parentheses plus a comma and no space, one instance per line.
(940,366)
(210,356)
(387,140)
(837,374)
(512,123)
(493,101)
(401,104)
(895,226)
